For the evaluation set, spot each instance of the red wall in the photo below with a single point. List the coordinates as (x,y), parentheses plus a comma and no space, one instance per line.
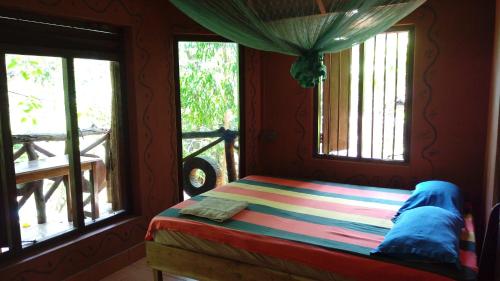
(451,84)
(453,48)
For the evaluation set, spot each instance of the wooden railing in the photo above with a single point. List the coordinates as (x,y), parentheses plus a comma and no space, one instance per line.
(33,151)
(222,135)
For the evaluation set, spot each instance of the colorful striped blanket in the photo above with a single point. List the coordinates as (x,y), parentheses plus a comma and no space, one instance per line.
(315,223)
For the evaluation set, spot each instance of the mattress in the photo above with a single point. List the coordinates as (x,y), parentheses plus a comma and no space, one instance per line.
(320,230)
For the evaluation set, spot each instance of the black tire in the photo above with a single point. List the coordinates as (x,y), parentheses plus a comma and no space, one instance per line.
(213,175)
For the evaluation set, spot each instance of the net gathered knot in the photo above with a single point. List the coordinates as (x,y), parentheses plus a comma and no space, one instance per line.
(309,69)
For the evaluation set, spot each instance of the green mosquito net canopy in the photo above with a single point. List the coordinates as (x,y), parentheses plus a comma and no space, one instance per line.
(303,28)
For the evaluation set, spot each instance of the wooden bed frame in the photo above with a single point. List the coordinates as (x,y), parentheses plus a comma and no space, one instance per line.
(199,266)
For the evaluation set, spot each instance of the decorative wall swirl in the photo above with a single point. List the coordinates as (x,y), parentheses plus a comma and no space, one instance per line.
(433,55)
(300,129)
(172,129)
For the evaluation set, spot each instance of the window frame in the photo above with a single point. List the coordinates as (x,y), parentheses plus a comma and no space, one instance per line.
(241,126)
(68,53)
(408,109)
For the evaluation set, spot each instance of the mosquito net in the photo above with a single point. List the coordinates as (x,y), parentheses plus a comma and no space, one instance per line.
(303,28)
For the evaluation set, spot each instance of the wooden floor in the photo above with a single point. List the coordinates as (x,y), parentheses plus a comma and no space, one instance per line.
(139,271)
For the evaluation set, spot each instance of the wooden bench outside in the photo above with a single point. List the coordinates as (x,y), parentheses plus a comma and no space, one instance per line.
(30,176)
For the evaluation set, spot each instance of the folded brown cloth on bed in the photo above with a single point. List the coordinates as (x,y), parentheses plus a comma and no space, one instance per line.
(216,209)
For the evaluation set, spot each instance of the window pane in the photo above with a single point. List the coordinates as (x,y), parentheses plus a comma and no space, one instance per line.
(390,96)
(378,85)
(209,95)
(354,103)
(399,149)
(97,95)
(38,124)
(368,92)
(378,95)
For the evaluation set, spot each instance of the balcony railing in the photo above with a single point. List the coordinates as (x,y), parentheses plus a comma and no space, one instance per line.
(31,147)
(210,168)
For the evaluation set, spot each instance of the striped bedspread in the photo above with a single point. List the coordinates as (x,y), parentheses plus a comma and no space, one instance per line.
(315,223)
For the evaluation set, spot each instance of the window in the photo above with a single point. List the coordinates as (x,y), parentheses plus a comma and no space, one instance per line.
(364,104)
(61,145)
(208,75)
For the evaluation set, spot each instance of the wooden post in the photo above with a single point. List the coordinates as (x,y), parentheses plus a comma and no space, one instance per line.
(8,190)
(229,151)
(37,187)
(3,230)
(69,208)
(75,172)
(94,192)
(157,275)
(107,162)
(115,147)
(67,188)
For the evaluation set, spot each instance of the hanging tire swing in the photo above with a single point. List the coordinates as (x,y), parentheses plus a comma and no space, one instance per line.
(200,174)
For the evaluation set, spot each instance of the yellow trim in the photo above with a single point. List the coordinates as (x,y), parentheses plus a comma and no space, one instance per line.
(304,210)
(367,205)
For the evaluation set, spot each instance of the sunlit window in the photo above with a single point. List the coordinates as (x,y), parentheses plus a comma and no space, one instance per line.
(61,149)
(364,102)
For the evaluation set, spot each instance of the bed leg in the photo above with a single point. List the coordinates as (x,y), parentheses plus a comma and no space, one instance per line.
(157,275)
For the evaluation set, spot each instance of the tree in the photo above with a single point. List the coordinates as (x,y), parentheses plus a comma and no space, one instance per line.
(209,85)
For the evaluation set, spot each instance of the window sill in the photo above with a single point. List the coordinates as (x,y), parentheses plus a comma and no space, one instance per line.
(351,160)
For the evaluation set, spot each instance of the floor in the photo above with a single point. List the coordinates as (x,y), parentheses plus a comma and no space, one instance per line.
(139,271)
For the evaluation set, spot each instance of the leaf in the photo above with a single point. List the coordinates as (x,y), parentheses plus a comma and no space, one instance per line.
(12,63)
(24,119)
(36,105)
(25,75)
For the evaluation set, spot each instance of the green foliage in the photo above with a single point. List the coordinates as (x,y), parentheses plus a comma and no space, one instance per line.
(29,68)
(209,87)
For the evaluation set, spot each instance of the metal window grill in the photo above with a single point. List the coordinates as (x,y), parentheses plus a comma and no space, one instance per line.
(364,103)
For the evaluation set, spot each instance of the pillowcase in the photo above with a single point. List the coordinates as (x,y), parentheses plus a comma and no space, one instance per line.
(441,194)
(424,234)
(217,209)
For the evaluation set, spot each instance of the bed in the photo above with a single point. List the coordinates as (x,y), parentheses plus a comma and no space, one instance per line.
(293,230)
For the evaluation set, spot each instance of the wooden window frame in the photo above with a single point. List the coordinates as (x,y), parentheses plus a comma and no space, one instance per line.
(408,110)
(77,41)
(241,63)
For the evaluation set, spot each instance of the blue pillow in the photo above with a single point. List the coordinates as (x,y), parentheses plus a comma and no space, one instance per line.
(434,193)
(424,234)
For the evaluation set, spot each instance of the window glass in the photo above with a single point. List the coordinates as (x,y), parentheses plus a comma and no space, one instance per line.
(38,124)
(363,103)
(97,96)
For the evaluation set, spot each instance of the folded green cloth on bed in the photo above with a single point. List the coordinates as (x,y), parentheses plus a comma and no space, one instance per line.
(216,209)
